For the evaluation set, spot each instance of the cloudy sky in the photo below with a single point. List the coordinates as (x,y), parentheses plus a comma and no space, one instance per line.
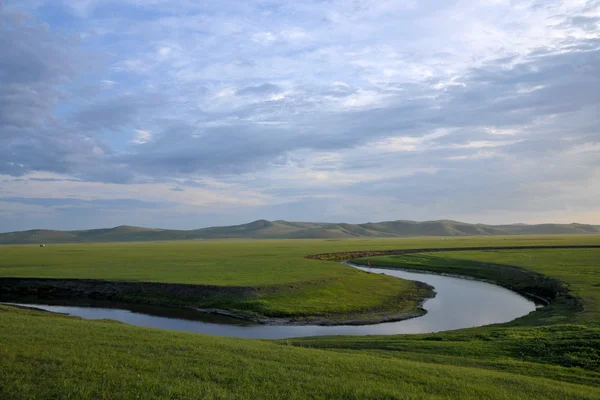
(185,114)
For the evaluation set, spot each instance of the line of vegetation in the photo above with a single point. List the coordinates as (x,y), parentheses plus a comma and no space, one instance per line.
(355,255)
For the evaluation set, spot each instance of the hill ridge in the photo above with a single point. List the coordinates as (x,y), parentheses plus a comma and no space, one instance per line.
(280,229)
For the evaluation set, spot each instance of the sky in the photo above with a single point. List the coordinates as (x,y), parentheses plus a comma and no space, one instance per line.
(185,114)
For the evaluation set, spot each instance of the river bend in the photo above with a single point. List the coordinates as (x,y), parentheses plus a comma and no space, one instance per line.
(459,303)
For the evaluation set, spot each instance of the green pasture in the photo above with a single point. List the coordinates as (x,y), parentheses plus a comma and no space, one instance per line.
(46,356)
(577,270)
(226,263)
(552,354)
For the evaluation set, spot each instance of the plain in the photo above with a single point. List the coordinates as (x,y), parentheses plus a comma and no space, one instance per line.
(550,354)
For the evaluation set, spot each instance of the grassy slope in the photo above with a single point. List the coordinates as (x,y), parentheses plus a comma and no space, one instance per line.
(569,336)
(51,356)
(48,356)
(263,229)
(576,268)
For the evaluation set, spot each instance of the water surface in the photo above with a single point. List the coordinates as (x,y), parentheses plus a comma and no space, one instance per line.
(459,303)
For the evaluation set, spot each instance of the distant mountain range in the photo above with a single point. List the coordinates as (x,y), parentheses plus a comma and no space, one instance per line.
(263,229)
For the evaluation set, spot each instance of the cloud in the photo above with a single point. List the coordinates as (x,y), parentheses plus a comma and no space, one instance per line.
(264,38)
(586,23)
(70,202)
(260,90)
(480,155)
(36,64)
(141,136)
(117,112)
(423,105)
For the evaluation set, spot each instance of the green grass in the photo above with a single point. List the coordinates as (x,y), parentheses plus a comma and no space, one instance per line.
(45,356)
(290,285)
(566,333)
(575,271)
(227,263)
(551,354)
(283,282)
(239,263)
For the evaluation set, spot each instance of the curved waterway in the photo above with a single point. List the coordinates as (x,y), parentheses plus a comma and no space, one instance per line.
(459,303)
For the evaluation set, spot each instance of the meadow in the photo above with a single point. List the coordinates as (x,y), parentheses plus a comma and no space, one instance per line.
(553,353)
(260,278)
(574,276)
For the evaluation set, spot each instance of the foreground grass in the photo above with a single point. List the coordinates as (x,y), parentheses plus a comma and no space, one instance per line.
(562,352)
(47,356)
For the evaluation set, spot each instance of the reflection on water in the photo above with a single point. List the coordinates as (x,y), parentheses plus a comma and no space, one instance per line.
(459,303)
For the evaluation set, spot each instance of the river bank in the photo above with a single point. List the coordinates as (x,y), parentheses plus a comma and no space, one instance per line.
(453,307)
(204,299)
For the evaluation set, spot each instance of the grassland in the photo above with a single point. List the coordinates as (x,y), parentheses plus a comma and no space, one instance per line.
(265,279)
(226,263)
(542,356)
(574,276)
(47,356)
(565,333)
(268,278)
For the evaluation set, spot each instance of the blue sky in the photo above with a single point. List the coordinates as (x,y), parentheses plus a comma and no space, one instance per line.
(185,114)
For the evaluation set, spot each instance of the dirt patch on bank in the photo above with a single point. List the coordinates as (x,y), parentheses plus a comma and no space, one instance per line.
(134,292)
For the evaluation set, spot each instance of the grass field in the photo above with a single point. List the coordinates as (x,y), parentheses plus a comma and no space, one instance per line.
(565,333)
(547,355)
(228,263)
(47,357)
(577,269)
(282,283)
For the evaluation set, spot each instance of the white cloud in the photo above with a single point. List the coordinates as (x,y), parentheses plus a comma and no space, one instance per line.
(399,144)
(385,97)
(480,155)
(264,38)
(135,65)
(482,144)
(164,51)
(585,148)
(363,99)
(150,192)
(141,136)
(501,131)
(294,34)
(107,83)
(422,142)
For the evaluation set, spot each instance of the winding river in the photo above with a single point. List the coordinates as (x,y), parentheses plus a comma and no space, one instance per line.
(459,303)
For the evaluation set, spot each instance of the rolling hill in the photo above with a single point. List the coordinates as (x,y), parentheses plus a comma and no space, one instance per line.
(263,229)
